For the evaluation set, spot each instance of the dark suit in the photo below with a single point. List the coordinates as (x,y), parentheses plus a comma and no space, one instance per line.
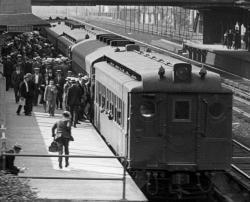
(28,95)
(74,101)
(7,71)
(16,79)
(59,84)
(36,87)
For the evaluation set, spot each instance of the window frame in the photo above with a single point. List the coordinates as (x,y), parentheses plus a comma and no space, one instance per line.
(155,109)
(189,100)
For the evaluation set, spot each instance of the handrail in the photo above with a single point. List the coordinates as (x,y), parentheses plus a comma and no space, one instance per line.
(123,179)
(71,156)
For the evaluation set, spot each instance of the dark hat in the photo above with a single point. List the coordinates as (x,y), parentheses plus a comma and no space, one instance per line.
(66,114)
(17,146)
(27,75)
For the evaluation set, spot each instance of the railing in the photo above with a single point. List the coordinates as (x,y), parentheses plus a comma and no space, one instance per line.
(123,179)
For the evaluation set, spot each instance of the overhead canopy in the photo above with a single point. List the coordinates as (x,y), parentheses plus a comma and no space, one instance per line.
(21,19)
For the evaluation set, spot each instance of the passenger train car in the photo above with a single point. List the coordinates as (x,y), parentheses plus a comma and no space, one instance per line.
(171,120)
(172,123)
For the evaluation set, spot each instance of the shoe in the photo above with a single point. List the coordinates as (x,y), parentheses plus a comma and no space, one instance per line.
(18,114)
(27,114)
(66,164)
(60,165)
(74,125)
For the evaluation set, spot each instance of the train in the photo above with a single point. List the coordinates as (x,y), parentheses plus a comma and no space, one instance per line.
(172,121)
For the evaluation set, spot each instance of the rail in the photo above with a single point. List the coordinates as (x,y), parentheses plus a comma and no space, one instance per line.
(123,179)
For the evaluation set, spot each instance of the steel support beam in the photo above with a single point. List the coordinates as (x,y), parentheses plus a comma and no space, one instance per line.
(183,3)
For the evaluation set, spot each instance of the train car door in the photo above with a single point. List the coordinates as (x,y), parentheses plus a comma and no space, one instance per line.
(215,131)
(146,131)
(180,134)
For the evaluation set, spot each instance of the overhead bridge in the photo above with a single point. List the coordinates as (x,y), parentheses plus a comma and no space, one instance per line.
(183,3)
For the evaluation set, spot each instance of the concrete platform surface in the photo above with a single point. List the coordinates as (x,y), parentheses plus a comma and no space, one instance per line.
(34,133)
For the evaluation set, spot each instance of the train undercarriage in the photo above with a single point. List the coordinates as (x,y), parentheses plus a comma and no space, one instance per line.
(163,185)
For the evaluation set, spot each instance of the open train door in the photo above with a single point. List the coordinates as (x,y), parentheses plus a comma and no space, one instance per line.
(214,132)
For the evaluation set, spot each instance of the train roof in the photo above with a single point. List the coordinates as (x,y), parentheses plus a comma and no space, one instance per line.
(147,78)
(97,55)
(86,47)
(65,41)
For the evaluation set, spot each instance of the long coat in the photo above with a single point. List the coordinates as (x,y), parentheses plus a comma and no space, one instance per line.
(23,90)
(16,79)
(74,95)
(50,93)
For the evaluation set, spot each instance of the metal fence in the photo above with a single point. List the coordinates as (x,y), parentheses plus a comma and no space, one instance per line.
(123,178)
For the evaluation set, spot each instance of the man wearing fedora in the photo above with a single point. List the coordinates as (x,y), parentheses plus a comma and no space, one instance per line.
(26,94)
(37,80)
(16,79)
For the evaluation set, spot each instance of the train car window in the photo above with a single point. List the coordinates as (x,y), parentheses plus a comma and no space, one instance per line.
(99,94)
(119,111)
(182,110)
(115,108)
(103,96)
(108,99)
(123,114)
(216,110)
(112,103)
(147,109)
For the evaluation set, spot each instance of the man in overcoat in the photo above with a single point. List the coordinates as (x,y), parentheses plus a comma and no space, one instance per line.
(16,79)
(74,101)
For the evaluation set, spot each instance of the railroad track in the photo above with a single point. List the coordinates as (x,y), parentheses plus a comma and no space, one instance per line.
(239,89)
(241,163)
(153,47)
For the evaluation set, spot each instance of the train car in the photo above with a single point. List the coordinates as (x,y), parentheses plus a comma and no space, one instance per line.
(51,35)
(80,51)
(165,118)
(64,45)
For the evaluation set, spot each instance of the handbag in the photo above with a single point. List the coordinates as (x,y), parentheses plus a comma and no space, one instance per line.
(54,147)
(71,138)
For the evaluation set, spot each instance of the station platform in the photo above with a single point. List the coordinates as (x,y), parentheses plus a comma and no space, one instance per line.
(234,61)
(34,134)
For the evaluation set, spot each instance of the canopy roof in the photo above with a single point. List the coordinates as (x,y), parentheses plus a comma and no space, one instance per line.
(21,19)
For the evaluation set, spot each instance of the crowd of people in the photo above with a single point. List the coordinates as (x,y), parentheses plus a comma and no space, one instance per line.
(234,40)
(41,76)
